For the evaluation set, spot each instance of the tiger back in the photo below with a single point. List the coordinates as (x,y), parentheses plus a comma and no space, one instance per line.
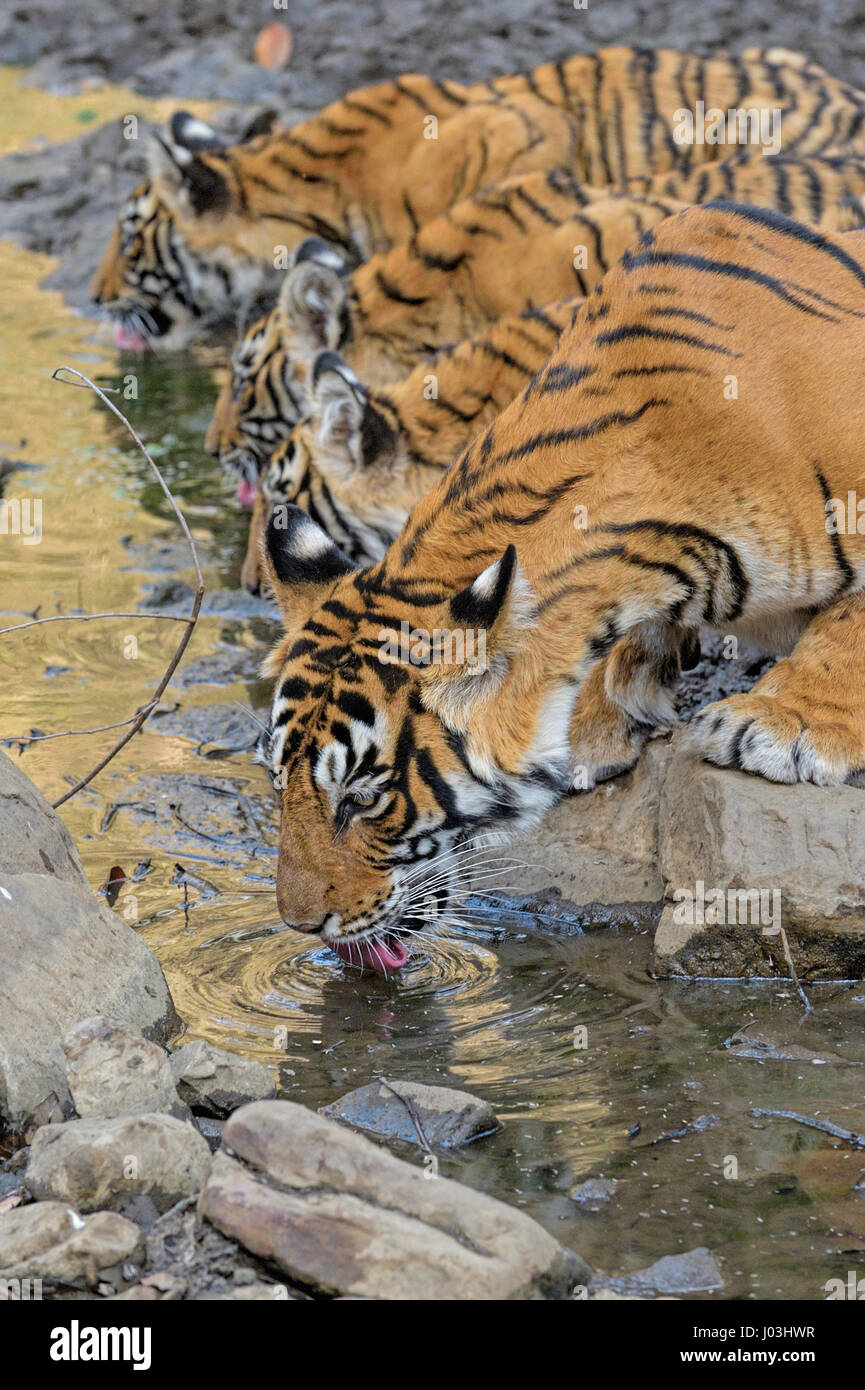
(607,117)
(530,241)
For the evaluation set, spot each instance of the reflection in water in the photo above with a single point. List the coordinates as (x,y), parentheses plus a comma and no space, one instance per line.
(587,1060)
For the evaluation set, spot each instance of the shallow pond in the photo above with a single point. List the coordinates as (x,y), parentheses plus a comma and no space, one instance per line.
(495,1009)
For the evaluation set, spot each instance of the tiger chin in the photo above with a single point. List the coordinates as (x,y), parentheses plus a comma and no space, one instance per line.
(523,634)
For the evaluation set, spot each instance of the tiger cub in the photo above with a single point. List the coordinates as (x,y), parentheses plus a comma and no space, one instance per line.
(529,241)
(361,459)
(199,239)
(684,458)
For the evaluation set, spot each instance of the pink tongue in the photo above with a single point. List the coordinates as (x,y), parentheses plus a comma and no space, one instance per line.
(125,338)
(246,493)
(381,955)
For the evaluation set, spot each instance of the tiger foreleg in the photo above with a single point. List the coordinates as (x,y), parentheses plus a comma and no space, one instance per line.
(804,721)
(627,699)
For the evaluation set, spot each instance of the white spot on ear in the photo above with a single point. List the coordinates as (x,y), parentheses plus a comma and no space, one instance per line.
(196,129)
(484,585)
(331,259)
(308,541)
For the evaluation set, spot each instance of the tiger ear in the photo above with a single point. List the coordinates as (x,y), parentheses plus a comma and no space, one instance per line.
(187,183)
(485,627)
(339,404)
(267,122)
(301,562)
(313,306)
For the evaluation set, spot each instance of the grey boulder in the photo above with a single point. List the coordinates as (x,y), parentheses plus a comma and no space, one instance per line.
(50,1241)
(112,1070)
(64,955)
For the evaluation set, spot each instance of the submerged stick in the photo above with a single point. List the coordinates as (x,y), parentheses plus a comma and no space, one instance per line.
(136,720)
(825,1126)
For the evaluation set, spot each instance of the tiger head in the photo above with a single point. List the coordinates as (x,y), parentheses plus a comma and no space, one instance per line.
(383,785)
(345,462)
(267,388)
(183,255)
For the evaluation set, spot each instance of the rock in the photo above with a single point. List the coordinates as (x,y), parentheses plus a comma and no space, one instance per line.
(696,1271)
(598,851)
(594,1193)
(215,1082)
(801,847)
(96,1163)
(444,1117)
(63,956)
(112,1070)
(338,1214)
(211,1129)
(49,1241)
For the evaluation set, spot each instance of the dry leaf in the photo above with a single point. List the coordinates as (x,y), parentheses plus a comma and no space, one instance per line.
(273,45)
(7,1203)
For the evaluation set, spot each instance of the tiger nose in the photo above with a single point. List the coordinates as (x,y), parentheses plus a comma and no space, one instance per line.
(307,926)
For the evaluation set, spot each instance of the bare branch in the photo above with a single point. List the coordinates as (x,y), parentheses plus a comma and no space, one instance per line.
(77,733)
(90,617)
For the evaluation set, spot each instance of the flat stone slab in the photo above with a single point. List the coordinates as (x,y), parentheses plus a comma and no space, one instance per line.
(214,1082)
(598,851)
(340,1215)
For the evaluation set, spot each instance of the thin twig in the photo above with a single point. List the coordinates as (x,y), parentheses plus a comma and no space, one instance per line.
(143,713)
(412,1113)
(91,617)
(77,733)
(86,382)
(793,976)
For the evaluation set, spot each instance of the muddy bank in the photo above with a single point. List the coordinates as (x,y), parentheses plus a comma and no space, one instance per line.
(205,50)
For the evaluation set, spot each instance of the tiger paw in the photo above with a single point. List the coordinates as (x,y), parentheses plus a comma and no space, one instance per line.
(605,740)
(782,736)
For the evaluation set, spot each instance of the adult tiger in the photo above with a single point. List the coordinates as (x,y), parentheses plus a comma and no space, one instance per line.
(676,463)
(496,253)
(199,238)
(360,459)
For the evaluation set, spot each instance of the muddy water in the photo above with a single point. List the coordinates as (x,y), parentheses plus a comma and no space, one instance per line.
(492,1008)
